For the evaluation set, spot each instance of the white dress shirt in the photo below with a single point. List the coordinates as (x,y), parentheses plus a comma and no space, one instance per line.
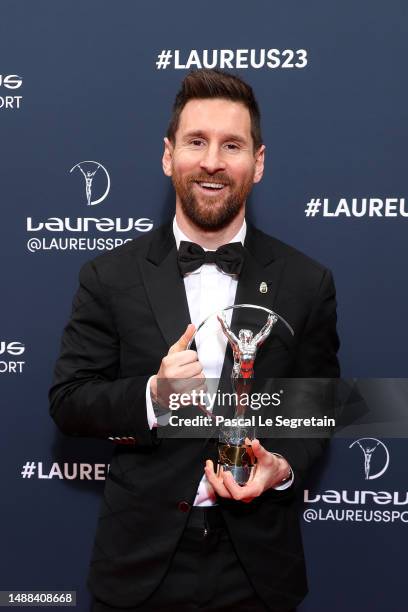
(209,290)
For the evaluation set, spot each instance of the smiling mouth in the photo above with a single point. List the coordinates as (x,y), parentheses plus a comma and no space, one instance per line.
(210,186)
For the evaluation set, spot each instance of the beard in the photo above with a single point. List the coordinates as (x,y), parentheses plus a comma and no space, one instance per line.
(213,212)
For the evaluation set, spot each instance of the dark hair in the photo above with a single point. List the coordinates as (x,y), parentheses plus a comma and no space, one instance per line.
(201,84)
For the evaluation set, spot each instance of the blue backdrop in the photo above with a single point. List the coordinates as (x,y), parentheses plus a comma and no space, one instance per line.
(94,81)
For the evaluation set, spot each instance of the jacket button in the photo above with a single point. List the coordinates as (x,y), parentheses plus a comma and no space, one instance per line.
(183,506)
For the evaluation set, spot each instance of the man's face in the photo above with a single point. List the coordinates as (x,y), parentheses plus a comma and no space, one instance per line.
(213,164)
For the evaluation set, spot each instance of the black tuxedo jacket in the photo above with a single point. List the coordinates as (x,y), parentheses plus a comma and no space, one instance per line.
(130,307)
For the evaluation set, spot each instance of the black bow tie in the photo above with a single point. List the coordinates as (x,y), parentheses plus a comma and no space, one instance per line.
(229,257)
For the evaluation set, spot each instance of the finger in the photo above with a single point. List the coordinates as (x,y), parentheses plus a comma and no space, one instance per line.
(259,451)
(232,486)
(194,383)
(182,386)
(218,485)
(190,370)
(200,382)
(215,481)
(182,342)
(248,491)
(202,377)
(180,358)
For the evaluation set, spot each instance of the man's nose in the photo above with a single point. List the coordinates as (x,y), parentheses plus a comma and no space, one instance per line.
(212,160)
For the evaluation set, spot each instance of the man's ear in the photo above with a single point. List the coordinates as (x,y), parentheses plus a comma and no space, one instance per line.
(259,163)
(167,159)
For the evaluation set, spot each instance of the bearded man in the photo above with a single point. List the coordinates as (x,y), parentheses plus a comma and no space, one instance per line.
(172,534)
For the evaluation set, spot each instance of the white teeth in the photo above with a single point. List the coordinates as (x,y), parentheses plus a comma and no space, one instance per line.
(212,185)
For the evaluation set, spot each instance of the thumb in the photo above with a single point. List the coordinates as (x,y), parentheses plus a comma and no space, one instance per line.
(182,342)
(259,451)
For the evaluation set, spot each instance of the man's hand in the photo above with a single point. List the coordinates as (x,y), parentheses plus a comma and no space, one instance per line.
(270,472)
(179,372)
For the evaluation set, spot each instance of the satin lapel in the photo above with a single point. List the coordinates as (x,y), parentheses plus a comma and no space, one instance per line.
(165,286)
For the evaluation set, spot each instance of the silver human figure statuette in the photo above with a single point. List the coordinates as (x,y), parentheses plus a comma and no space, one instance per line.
(245,346)
(235,453)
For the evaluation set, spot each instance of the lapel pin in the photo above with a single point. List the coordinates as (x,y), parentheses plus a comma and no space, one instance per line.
(263,287)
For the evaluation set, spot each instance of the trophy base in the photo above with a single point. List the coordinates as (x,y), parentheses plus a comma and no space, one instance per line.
(241,473)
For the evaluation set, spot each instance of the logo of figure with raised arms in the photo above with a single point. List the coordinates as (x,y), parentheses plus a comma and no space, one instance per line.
(89,173)
(369,446)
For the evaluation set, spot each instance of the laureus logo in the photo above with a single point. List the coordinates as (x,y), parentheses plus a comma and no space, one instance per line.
(91,170)
(371,447)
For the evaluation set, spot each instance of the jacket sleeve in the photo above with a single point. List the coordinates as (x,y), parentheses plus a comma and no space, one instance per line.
(88,396)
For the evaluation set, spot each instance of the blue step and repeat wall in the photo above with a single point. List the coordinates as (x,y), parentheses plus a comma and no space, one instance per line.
(85,94)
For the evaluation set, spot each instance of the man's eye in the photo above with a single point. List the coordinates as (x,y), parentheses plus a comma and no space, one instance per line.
(231,146)
(196,143)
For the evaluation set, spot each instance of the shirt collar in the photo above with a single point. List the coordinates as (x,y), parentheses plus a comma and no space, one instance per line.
(179,235)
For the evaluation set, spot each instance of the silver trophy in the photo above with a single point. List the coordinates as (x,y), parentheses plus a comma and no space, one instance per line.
(235,453)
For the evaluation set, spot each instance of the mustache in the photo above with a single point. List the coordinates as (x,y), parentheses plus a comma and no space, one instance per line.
(220,177)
